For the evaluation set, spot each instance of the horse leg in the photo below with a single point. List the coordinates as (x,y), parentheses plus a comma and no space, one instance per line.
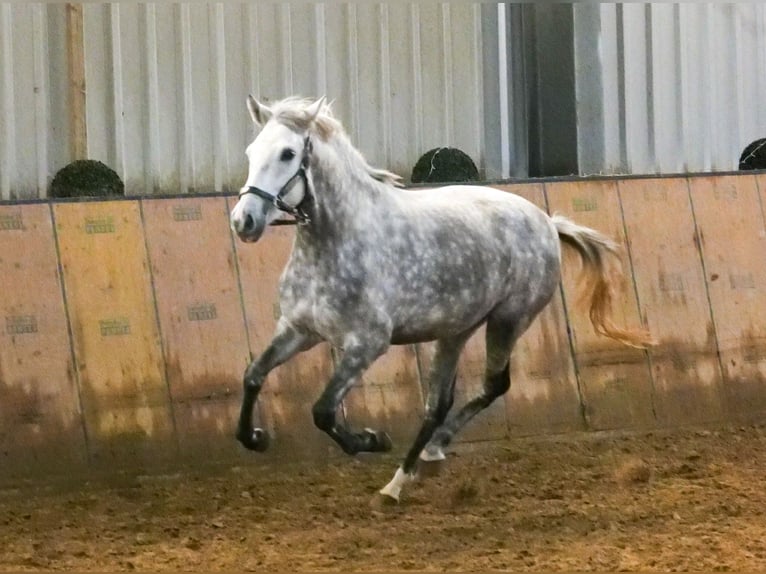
(500,339)
(287,342)
(358,354)
(441,388)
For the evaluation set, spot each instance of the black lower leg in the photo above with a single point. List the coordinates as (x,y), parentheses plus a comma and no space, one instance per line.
(286,343)
(495,386)
(430,424)
(350,442)
(353,363)
(435,416)
(251,438)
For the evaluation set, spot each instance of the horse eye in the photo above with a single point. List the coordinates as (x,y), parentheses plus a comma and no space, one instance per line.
(287,154)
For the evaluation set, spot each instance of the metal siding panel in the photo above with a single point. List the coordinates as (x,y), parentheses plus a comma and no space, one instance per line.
(664,89)
(283,25)
(337,58)
(695,102)
(23,93)
(730,223)
(691,79)
(749,75)
(465,77)
(116,343)
(614,142)
(166,112)
(760,66)
(99,111)
(403,145)
(128,65)
(636,94)
(291,389)
(39,399)
(544,395)
(41,94)
(448,105)
(162,78)
(417,80)
(7,117)
(239,128)
(22,102)
(670,281)
(615,380)
(725,104)
(320,52)
(200,314)
(201,116)
(384,89)
(369,85)
(303,46)
(250,49)
(353,126)
(269,53)
(431,104)
(152,144)
(218,79)
(590,87)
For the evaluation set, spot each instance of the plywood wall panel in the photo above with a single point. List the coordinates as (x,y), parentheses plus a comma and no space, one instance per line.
(670,282)
(40,417)
(117,347)
(733,242)
(200,313)
(615,380)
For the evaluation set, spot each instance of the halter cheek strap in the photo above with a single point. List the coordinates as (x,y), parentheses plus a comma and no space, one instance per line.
(297,211)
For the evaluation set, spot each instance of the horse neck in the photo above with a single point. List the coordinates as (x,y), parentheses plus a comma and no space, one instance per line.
(346,196)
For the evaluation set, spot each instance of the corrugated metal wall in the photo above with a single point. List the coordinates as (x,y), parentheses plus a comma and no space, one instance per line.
(665,88)
(588,88)
(33,118)
(166,84)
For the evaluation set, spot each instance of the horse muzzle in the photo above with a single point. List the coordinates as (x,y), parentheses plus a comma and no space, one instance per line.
(248,228)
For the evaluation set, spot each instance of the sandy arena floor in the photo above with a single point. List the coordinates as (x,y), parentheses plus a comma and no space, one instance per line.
(683,500)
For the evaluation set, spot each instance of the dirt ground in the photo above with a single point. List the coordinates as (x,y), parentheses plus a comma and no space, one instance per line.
(692,499)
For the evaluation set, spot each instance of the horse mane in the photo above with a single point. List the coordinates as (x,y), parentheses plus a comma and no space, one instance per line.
(292,112)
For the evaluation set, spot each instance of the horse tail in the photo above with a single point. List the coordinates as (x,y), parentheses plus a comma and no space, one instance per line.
(603,269)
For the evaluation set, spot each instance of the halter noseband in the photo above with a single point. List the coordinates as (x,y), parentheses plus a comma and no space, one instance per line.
(277,200)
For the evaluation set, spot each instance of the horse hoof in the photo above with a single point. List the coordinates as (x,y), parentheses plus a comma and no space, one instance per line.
(257,441)
(381,502)
(381,442)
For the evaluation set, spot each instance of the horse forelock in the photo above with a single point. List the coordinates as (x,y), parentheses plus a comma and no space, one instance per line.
(293,113)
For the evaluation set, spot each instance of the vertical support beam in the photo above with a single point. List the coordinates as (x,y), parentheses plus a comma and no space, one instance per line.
(78,139)
(502,67)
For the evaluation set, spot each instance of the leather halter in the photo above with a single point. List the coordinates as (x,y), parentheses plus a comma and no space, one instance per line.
(297,211)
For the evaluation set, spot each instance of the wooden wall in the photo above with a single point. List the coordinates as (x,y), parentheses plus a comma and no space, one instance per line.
(126,326)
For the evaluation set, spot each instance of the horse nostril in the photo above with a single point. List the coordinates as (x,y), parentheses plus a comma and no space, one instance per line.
(249,223)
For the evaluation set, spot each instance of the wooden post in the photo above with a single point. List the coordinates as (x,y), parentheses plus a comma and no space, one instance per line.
(78,136)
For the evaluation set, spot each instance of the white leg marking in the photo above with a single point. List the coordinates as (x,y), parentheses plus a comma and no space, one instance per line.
(432,454)
(394,488)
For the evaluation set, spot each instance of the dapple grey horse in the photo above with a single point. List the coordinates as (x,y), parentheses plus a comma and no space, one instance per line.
(374,265)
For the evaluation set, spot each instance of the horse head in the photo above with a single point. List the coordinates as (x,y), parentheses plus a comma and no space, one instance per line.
(279,161)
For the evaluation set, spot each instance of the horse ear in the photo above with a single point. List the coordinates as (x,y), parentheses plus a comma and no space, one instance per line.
(314,109)
(259,112)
